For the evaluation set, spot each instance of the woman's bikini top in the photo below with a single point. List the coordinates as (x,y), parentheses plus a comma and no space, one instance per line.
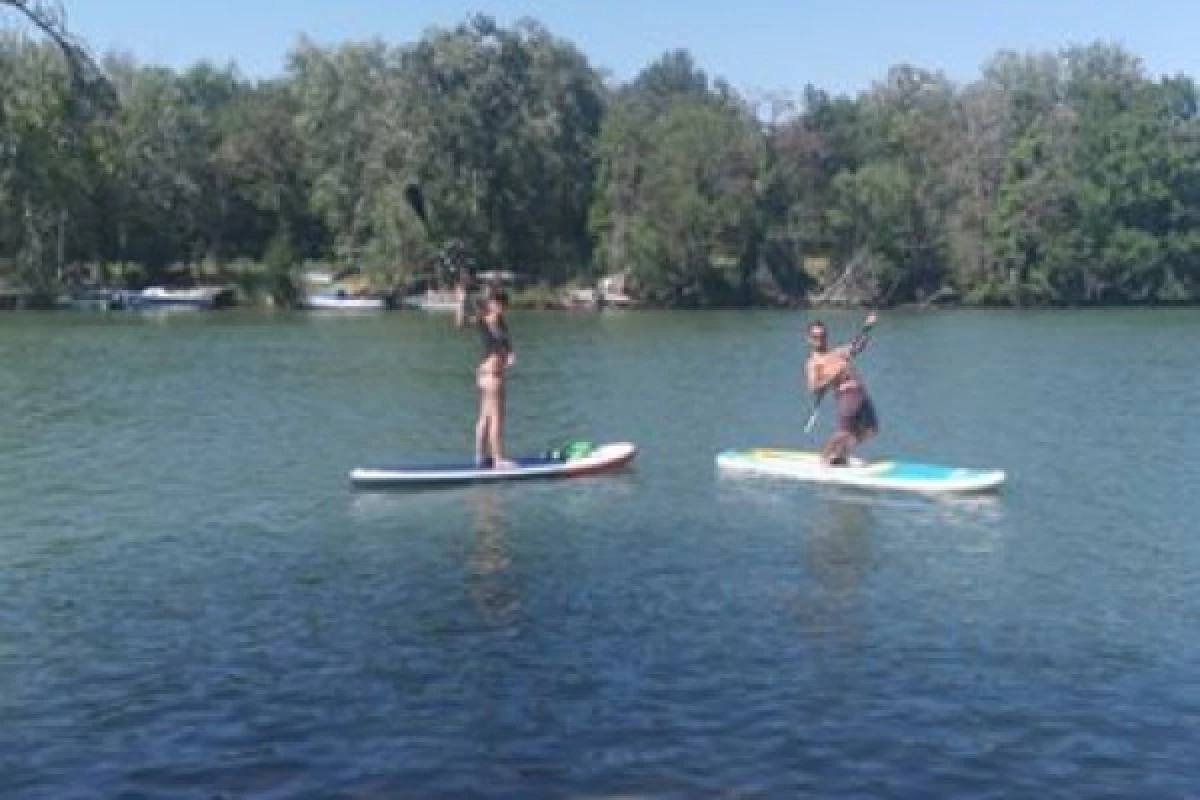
(494,342)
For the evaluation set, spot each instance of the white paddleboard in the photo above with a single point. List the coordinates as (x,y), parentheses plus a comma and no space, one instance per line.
(892,475)
(601,459)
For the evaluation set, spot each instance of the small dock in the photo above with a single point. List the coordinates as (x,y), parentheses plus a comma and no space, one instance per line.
(15,299)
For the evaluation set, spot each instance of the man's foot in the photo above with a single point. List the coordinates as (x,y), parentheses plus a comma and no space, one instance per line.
(482,462)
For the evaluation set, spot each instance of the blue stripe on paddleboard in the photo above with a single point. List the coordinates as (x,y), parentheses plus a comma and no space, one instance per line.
(465,467)
(925,472)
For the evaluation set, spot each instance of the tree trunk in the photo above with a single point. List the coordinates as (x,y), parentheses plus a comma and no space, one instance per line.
(62,242)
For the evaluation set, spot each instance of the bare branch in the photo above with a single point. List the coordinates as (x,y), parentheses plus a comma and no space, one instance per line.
(88,81)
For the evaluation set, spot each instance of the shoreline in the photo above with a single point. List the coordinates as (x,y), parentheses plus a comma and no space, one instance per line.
(907,309)
(259,295)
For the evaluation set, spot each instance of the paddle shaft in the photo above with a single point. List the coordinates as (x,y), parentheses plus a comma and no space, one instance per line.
(416,201)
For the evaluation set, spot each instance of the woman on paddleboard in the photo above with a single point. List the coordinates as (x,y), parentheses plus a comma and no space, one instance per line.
(834,369)
(498,356)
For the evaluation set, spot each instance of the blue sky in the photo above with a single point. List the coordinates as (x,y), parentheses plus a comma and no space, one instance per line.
(839,45)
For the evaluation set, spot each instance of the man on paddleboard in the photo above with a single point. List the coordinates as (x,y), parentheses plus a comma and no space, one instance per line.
(827,369)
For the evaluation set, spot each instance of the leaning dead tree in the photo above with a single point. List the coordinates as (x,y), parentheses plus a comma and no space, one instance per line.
(91,91)
(854,286)
(91,98)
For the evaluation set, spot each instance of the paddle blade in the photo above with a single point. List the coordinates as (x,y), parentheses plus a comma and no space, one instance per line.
(412,193)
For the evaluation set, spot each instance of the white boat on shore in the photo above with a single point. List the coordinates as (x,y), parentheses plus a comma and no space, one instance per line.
(443,300)
(341,300)
(200,298)
(614,291)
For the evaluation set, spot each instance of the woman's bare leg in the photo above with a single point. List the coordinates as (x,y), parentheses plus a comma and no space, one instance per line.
(481,431)
(496,430)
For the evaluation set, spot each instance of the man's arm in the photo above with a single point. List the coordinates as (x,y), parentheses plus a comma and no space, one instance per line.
(810,376)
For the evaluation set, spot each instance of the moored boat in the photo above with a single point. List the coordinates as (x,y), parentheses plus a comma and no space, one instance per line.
(200,298)
(443,300)
(338,299)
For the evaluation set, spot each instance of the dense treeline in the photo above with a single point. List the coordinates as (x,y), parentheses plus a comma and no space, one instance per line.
(1052,179)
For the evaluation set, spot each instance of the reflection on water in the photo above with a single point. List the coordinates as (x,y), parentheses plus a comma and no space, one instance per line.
(840,554)
(488,574)
(407,503)
(486,517)
(838,557)
(845,537)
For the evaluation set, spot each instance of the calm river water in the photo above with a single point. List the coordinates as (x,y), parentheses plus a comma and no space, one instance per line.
(196,604)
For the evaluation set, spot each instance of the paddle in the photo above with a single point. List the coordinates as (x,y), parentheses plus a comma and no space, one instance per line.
(812,418)
(868,323)
(416,201)
(447,249)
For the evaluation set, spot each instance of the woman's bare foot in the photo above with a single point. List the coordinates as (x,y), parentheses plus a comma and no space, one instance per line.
(503,463)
